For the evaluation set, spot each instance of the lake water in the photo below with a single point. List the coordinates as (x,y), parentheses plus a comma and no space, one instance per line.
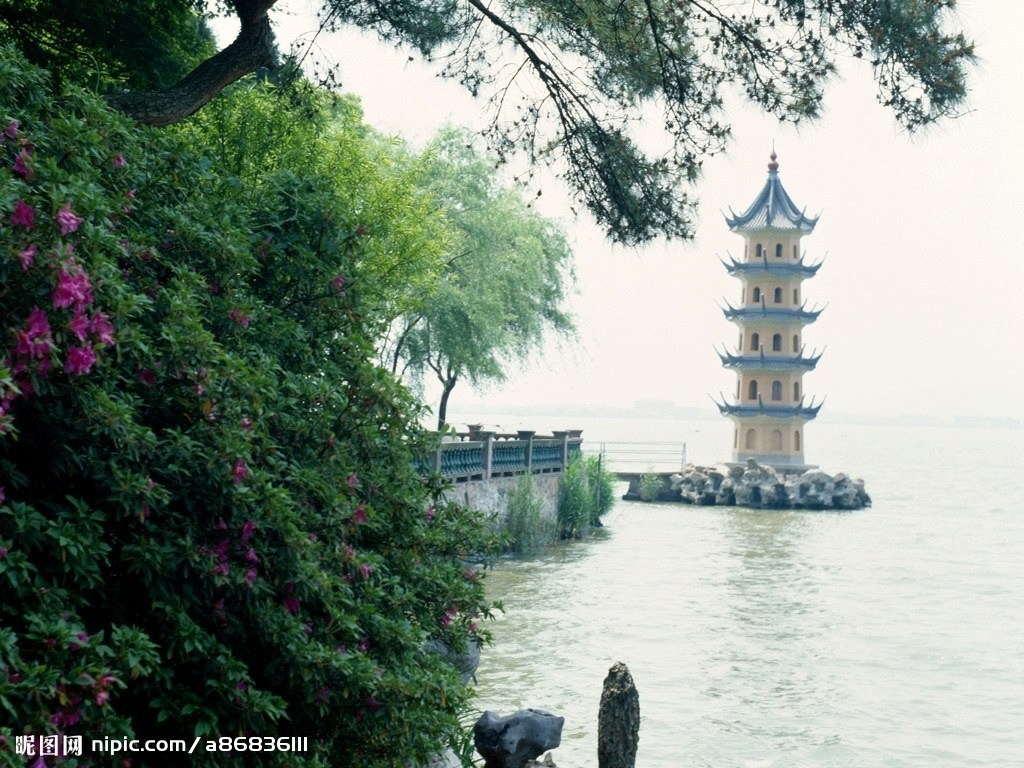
(887,637)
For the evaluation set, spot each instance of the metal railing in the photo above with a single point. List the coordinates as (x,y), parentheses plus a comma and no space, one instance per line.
(636,457)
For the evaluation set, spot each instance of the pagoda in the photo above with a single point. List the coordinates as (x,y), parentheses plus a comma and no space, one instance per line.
(770,408)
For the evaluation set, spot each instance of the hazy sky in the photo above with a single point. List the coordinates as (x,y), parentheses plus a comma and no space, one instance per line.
(922,239)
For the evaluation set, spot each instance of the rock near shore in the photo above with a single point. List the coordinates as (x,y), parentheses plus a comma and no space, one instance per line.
(760,486)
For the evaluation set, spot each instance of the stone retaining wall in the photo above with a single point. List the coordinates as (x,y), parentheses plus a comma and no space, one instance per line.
(492,496)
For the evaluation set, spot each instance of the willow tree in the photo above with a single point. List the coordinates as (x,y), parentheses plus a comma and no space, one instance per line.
(568,81)
(509,270)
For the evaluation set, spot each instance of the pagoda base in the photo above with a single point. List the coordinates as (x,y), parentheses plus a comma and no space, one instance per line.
(784,463)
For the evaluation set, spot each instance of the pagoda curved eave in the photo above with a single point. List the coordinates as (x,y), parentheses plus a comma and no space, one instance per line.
(760,315)
(758,363)
(802,412)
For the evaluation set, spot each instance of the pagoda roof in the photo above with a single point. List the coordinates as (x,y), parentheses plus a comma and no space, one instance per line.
(769,363)
(799,411)
(774,268)
(772,209)
(763,312)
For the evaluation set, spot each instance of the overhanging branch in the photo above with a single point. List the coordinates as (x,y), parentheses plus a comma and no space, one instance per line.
(252,49)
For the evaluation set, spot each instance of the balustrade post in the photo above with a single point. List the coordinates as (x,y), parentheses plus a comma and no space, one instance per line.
(527,435)
(487,449)
(563,449)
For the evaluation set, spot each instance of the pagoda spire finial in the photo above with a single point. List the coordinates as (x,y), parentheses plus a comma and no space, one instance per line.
(773,166)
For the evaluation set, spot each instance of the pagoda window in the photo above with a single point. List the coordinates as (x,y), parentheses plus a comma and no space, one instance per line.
(776,390)
(751,442)
(755,342)
(752,390)
(778,250)
(796,296)
(777,342)
(757,251)
(796,253)
(796,343)
(778,295)
(796,391)
(776,440)
(757,295)
(796,440)
(735,438)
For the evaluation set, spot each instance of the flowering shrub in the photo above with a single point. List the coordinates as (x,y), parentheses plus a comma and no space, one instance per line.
(211,523)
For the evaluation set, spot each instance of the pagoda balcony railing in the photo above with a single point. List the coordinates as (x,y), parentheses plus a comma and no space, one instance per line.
(773,268)
(480,455)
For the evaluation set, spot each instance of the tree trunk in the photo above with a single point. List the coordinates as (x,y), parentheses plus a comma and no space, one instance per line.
(252,49)
(442,408)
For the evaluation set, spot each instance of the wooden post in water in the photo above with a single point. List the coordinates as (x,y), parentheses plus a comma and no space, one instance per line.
(618,720)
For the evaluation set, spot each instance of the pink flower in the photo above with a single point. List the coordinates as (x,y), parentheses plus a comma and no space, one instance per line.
(38,324)
(248,529)
(3,497)
(118,161)
(372,704)
(79,360)
(79,326)
(100,325)
(291,602)
(27,257)
(67,221)
(246,423)
(239,317)
(250,576)
(12,129)
(339,284)
(364,645)
(429,514)
(147,377)
(353,482)
(21,166)
(251,557)
(73,287)
(24,215)
(359,516)
(102,697)
(239,472)
(366,570)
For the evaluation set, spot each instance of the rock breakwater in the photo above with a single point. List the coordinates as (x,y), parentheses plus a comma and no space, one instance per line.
(754,485)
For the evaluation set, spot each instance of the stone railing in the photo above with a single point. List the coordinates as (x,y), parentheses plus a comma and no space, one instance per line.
(480,454)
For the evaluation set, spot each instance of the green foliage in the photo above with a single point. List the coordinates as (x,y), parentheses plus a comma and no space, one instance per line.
(211,522)
(504,284)
(650,485)
(134,43)
(581,84)
(526,528)
(585,496)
